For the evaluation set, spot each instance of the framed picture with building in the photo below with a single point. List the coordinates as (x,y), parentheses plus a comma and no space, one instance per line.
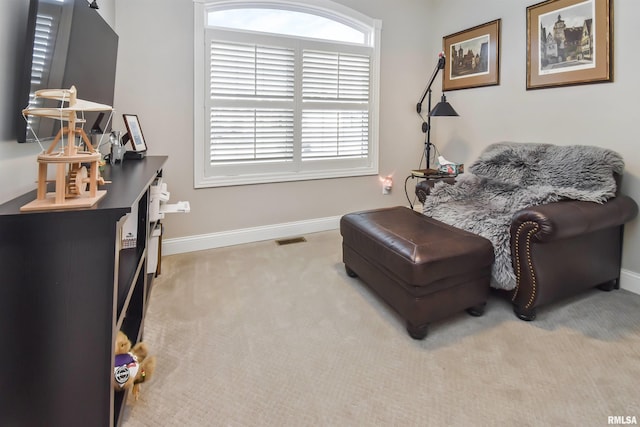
(473,57)
(569,43)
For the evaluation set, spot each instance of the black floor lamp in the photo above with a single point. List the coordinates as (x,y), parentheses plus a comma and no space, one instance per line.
(442,108)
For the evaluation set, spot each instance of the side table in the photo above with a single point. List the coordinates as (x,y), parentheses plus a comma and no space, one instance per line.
(429,179)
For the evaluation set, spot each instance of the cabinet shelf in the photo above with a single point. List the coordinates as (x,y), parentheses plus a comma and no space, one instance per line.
(130,267)
(67,285)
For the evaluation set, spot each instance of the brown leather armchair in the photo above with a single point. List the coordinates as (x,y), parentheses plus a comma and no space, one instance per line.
(557,248)
(562,248)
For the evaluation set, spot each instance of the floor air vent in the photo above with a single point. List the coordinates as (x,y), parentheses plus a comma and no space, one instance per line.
(291,241)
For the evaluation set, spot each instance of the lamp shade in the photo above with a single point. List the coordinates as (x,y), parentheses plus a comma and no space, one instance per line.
(443,108)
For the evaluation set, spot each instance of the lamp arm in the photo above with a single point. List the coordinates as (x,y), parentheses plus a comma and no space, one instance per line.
(439,66)
(426,125)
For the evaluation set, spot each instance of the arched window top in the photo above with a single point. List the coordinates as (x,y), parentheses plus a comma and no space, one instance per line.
(316,19)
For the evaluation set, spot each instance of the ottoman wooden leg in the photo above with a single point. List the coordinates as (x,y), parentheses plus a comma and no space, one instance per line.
(350,272)
(477,310)
(610,285)
(417,332)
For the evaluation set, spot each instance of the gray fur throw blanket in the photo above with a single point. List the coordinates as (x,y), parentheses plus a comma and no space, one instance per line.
(508,177)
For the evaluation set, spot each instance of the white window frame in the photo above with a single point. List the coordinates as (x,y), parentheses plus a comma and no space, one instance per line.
(310,169)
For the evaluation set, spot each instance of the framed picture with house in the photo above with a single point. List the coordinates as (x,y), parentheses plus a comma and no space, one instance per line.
(473,57)
(569,43)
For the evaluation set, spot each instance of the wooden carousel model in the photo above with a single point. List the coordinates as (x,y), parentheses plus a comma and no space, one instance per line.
(77,172)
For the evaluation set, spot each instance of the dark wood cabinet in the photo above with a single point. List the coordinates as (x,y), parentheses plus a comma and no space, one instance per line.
(66,288)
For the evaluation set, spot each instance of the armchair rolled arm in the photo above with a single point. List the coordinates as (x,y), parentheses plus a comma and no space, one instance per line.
(549,225)
(569,218)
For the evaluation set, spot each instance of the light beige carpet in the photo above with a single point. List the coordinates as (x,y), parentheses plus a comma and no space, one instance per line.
(268,335)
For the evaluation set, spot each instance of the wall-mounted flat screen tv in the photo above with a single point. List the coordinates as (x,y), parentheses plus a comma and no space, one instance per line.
(67,43)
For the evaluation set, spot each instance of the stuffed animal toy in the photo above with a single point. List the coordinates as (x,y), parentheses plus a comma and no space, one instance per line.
(132,365)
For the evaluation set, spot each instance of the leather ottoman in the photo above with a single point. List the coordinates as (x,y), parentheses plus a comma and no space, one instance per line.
(424,269)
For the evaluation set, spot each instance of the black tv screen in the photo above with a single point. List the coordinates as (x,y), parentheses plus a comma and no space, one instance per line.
(67,43)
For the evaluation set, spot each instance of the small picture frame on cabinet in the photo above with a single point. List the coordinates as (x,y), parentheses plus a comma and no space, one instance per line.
(134,133)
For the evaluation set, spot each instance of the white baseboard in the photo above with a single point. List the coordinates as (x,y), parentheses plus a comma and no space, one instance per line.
(630,281)
(247,235)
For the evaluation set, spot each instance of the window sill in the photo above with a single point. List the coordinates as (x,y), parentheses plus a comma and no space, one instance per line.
(266,178)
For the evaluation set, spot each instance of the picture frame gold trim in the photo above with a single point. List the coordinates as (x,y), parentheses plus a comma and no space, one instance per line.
(564,60)
(464,71)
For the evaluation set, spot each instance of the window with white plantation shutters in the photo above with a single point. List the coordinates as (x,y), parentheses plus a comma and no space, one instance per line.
(284,102)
